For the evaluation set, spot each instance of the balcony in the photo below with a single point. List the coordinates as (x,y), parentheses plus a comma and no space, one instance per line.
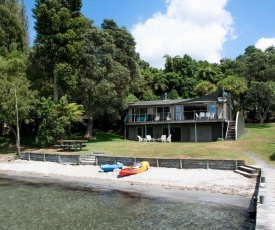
(188,116)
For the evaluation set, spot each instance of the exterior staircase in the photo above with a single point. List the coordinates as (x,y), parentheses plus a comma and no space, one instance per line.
(230,132)
(250,171)
(89,159)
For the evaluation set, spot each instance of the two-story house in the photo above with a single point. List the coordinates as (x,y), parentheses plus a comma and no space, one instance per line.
(201,119)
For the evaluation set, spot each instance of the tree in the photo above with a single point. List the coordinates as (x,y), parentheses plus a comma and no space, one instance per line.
(148,95)
(173,80)
(209,72)
(236,86)
(109,69)
(13,27)
(125,49)
(204,88)
(173,95)
(59,26)
(56,120)
(261,97)
(180,75)
(160,82)
(256,65)
(146,81)
(17,100)
(131,98)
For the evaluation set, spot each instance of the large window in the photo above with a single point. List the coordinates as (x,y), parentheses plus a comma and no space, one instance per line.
(178,113)
(162,112)
(212,110)
(139,114)
(142,132)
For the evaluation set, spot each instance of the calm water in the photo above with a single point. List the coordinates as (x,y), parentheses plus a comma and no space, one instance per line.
(25,205)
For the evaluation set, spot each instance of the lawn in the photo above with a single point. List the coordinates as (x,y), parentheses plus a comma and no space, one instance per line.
(259,139)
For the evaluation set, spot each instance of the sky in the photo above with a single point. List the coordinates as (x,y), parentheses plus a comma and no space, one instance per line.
(203,29)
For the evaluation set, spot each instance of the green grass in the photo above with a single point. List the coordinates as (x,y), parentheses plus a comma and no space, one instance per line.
(258,140)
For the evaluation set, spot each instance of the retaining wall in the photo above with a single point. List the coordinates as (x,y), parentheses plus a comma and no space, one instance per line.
(154,162)
(174,163)
(58,158)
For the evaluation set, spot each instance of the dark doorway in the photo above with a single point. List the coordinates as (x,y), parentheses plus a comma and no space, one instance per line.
(175,132)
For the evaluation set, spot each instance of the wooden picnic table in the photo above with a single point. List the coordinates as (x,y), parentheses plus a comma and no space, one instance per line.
(71,144)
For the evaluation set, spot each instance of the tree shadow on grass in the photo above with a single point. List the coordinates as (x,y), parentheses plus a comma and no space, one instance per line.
(99,136)
(272,157)
(103,137)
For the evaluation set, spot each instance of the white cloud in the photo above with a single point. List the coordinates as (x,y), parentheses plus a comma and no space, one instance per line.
(264,43)
(197,28)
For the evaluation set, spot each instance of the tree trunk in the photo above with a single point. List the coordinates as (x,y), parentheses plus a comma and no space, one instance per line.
(55,88)
(89,129)
(17,128)
(16,133)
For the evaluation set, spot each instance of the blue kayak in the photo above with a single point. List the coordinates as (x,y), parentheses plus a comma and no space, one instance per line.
(109,168)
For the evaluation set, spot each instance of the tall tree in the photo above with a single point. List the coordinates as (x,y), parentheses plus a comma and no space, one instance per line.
(17,99)
(125,49)
(180,74)
(145,82)
(261,97)
(237,86)
(59,25)
(204,88)
(13,26)
(160,82)
(209,72)
(109,69)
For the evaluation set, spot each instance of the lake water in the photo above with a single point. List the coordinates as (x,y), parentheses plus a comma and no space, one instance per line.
(26,205)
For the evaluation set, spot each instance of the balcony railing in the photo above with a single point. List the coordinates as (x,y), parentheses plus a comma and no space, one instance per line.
(158,117)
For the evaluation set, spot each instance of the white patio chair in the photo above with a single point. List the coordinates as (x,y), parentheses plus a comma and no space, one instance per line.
(169,138)
(207,115)
(157,118)
(140,139)
(212,115)
(162,138)
(202,115)
(148,138)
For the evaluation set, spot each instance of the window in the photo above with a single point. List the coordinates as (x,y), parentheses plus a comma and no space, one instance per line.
(178,113)
(140,131)
(212,110)
(163,112)
(149,131)
(139,114)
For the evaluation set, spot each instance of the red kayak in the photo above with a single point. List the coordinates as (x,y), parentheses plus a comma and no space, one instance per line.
(135,169)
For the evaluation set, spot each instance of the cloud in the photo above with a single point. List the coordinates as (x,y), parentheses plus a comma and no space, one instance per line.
(197,28)
(264,43)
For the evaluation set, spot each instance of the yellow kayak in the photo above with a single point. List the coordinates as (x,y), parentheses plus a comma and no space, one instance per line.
(135,169)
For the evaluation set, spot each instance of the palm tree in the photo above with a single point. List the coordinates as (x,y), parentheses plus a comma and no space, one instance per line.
(209,72)
(160,82)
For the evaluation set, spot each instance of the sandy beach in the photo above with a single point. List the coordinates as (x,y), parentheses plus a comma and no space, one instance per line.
(203,184)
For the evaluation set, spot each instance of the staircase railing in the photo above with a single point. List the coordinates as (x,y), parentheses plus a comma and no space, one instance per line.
(227,130)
